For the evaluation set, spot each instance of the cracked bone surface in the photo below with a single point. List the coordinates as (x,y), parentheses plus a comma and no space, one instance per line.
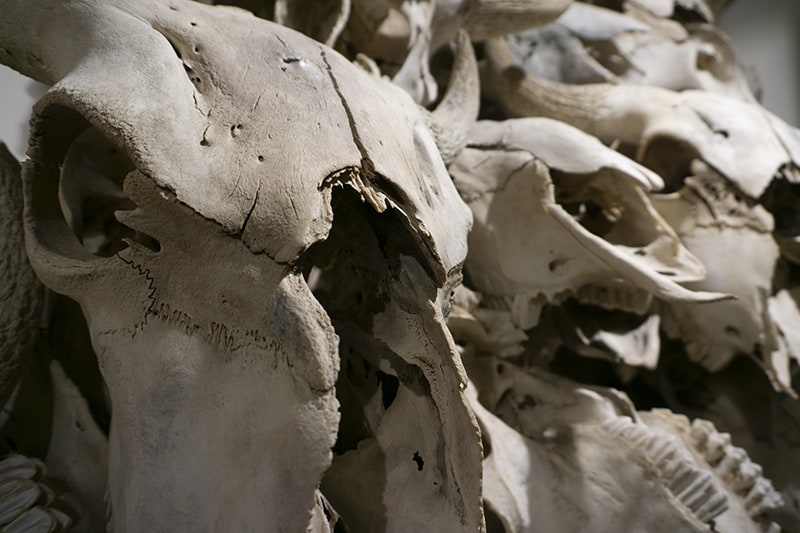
(252,239)
(220,363)
(618,242)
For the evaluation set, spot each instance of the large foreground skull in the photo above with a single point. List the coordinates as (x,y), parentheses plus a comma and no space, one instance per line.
(240,147)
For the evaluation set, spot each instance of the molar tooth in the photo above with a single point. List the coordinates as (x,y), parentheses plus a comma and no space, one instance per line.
(717,504)
(715,446)
(681,478)
(746,476)
(663,451)
(701,429)
(762,496)
(730,463)
(703,490)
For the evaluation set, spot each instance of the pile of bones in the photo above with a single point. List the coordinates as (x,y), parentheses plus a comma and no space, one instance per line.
(396,265)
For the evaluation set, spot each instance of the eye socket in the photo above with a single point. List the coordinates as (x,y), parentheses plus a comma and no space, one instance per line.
(90,190)
(671,159)
(74,187)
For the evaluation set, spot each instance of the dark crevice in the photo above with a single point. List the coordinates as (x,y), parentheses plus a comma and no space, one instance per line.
(671,159)
(353,270)
(417,458)
(248,215)
(389,386)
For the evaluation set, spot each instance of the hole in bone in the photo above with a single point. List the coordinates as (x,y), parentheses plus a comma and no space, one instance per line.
(605,206)
(708,61)
(607,54)
(91,171)
(389,386)
(671,159)
(782,199)
(591,215)
(493,522)
(90,190)
(350,274)
(417,458)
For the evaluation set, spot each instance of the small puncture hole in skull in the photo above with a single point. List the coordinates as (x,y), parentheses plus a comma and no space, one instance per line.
(417,458)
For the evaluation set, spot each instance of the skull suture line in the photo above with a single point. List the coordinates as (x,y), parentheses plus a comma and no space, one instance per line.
(246,149)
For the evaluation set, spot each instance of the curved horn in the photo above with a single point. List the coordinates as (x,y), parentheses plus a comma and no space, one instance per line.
(609,112)
(520,94)
(452,119)
(492,18)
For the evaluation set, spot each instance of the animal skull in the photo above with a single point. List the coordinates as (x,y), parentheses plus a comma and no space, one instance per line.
(407,32)
(589,43)
(244,150)
(504,175)
(572,458)
(666,130)
(716,223)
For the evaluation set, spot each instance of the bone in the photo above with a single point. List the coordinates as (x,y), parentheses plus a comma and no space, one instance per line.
(185,357)
(28,502)
(78,453)
(455,115)
(508,187)
(525,438)
(721,131)
(409,32)
(322,21)
(591,44)
(707,210)
(266,237)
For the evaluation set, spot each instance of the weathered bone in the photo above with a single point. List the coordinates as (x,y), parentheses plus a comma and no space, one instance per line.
(78,453)
(409,31)
(716,224)
(558,454)
(186,357)
(503,175)
(323,21)
(266,244)
(591,44)
(744,142)
(455,115)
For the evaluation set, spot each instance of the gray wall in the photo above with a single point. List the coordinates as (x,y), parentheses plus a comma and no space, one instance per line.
(766,34)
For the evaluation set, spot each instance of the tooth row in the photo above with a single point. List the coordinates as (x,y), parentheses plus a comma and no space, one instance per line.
(616,298)
(693,487)
(734,467)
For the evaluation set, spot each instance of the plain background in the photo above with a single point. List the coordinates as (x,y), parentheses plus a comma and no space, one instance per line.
(765,33)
